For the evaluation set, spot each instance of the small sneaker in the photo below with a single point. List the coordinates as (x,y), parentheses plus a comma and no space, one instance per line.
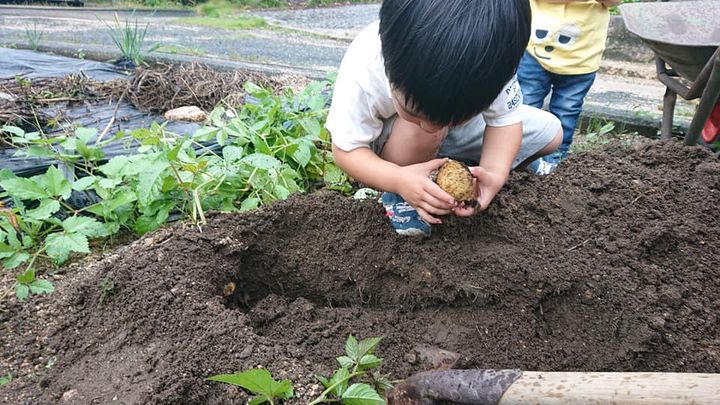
(555,157)
(403,217)
(542,167)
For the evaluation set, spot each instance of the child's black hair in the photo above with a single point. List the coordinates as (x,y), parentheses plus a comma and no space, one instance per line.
(451,58)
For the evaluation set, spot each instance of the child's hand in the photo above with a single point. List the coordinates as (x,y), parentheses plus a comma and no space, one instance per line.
(416,187)
(487,185)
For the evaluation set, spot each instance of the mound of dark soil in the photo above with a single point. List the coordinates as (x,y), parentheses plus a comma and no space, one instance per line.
(611,264)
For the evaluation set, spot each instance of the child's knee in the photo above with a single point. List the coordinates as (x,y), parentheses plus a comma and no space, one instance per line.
(557,139)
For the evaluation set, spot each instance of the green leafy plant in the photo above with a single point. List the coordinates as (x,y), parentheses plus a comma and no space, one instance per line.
(259,382)
(598,132)
(129,38)
(270,150)
(358,361)
(34,36)
(26,283)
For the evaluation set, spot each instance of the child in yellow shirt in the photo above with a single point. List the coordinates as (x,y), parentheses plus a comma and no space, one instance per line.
(566,45)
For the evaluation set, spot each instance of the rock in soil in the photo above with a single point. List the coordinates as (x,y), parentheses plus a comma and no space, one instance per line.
(186,113)
(609,264)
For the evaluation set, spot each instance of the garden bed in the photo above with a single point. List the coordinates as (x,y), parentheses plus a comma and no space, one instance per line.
(610,264)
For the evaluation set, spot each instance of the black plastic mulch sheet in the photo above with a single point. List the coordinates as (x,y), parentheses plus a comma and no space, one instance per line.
(31,64)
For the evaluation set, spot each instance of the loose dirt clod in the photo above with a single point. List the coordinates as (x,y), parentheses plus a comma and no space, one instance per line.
(455,178)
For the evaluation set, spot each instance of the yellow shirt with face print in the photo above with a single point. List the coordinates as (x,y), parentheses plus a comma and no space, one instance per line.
(568,38)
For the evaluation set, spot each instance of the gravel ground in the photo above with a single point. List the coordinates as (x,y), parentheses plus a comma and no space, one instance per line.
(258,46)
(340,22)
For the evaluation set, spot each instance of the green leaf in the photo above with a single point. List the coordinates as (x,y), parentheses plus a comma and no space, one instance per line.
(116,167)
(15,260)
(324,381)
(35,151)
(5,250)
(22,291)
(204,134)
(233,153)
(44,211)
(87,226)
(41,287)
(5,379)
(312,126)
(89,153)
(369,361)
(149,188)
(6,174)
(367,346)
(149,222)
(281,192)
(250,204)
(302,155)
(341,377)
(85,134)
(345,361)
(260,399)
(12,130)
(261,161)
(258,381)
(84,183)
(351,347)
(56,184)
(59,245)
(333,175)
(24,189)
(26,277)
(106,207)
(361,394)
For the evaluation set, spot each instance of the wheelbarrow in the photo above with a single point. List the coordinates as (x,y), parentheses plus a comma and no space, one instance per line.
(685,37)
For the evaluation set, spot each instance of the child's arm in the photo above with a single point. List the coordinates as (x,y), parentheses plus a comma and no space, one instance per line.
(412,182)
(500,146)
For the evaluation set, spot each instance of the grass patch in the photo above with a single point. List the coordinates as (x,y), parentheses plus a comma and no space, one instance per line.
(239,22)
(180,50)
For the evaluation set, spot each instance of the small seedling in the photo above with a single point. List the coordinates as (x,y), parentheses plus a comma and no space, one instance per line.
(26,283)
(5,379)
(107,289)
(51,363)
(34,36)
(129,38)
(259,382)
(360,358)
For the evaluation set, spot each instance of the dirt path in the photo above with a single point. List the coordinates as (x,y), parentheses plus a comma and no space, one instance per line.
(610,265)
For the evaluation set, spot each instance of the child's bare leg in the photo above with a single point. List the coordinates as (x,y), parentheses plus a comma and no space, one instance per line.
(409,144)
(548,149)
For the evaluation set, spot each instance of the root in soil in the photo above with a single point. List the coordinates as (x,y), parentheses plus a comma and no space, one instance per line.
(609,264)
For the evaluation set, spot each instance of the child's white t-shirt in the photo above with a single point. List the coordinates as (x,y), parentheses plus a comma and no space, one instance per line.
(362,96)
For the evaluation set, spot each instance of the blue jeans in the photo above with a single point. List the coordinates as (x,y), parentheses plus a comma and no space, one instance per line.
(568,94)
